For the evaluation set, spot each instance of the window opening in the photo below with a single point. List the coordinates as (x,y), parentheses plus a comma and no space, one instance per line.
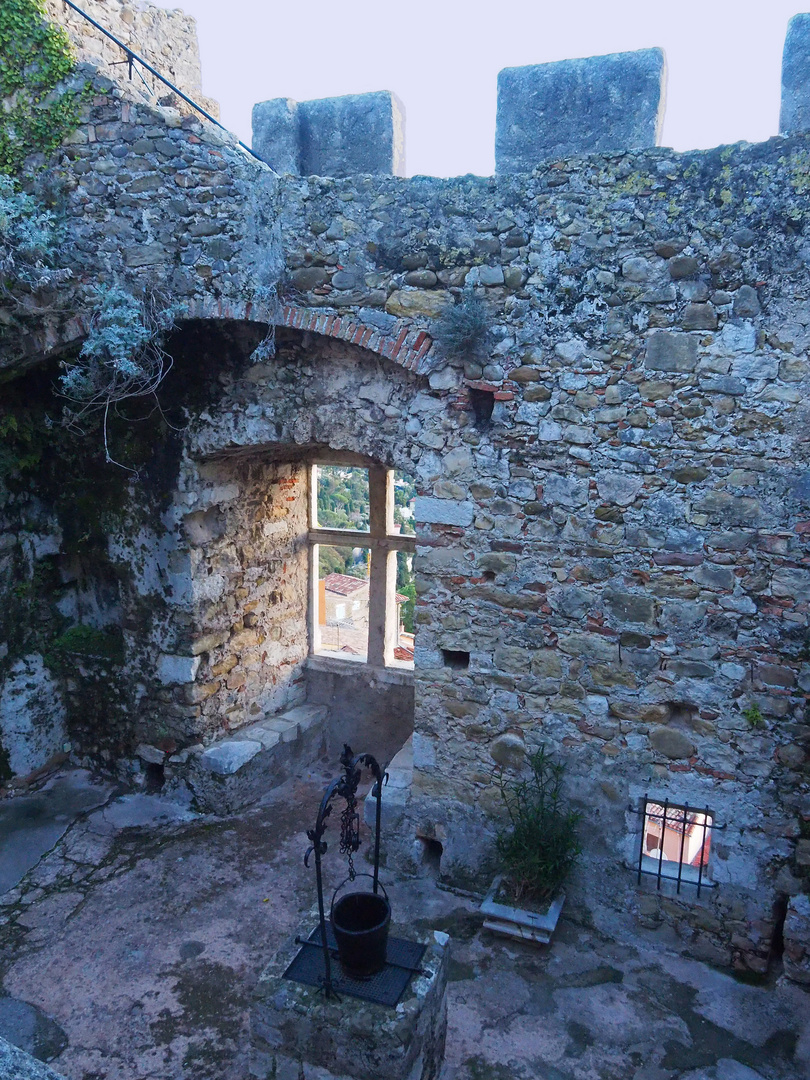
(342,499)
(483,405)
(676,843)
(362,537)
(456,658)
(343,595)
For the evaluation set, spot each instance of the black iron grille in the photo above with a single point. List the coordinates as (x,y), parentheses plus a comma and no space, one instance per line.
(385,988)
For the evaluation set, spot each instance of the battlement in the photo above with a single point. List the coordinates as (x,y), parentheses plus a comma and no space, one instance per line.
(546,112)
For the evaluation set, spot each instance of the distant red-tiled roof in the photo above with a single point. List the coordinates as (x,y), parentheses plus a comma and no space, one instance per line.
(343,584)
(402,654)
(402,599)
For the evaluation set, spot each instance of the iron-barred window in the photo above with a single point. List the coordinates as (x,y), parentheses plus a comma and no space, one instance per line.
(676,843)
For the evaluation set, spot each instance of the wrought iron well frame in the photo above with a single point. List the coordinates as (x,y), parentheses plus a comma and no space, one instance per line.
(345,787)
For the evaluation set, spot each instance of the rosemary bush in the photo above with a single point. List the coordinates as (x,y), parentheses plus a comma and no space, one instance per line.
(539,846)
(463,331)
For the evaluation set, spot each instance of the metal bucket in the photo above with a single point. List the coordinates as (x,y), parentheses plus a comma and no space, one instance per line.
(360,922)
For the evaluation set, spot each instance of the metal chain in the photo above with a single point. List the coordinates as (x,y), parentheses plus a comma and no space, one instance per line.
(350,832)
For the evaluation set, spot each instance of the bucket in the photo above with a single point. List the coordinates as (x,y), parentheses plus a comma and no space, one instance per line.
(360,922)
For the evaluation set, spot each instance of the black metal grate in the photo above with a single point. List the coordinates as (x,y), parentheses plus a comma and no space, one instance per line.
(682,820)
(385,988)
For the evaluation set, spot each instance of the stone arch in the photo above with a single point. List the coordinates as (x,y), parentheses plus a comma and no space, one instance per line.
(401,342)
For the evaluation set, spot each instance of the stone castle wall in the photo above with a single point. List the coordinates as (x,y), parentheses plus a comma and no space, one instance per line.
(619,547)
(166,39)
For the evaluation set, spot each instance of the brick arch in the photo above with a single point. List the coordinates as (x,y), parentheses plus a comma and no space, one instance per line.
(405,344)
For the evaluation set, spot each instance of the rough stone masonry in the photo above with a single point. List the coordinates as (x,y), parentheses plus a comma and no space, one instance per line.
(613,489)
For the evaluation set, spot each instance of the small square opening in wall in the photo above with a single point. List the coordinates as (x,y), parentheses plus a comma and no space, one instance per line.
(456,658)
(676,843)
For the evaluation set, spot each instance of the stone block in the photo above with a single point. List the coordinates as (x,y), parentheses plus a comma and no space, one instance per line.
(177,669)
(228,757)
(668,351)
(296,1031)
(275,134)
(794,115)
(443,511)
(358,133)
(559,110)
(672,743)
(340,136)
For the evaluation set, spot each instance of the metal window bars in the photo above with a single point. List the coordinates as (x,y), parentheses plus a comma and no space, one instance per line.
(132,58)
(679,819)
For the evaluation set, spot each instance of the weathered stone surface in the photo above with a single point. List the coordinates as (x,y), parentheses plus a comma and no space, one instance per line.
(667,351)
(547,111)
(15,1064)
(33,716)
(417,302)
(358,133)
(672,743)
(177,669)
(508,750)
(797,940)
(794,115)
(444,511)
(226,758)
(630,607)
(276,134)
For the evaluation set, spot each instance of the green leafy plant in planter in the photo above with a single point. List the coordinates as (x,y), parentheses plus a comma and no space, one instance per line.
(539,846)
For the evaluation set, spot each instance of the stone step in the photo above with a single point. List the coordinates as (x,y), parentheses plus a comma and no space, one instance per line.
(236,771)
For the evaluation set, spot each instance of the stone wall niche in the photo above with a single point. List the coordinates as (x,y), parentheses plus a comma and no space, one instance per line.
(572,107)
(246,534)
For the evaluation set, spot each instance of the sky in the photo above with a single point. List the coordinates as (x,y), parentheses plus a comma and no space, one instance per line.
(442,57)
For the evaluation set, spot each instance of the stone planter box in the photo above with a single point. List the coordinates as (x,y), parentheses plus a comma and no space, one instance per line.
(520,923)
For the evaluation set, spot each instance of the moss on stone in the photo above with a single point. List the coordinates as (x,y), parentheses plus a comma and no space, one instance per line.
(83,640)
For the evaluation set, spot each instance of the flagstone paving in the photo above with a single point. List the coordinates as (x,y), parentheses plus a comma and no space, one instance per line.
(131,949)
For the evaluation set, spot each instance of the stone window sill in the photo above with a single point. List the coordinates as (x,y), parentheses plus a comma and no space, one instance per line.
(391,675)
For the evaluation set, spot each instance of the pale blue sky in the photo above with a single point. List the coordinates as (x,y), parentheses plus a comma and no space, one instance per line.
(441,57)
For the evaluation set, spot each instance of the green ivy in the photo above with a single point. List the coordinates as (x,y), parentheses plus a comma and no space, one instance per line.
(35,58)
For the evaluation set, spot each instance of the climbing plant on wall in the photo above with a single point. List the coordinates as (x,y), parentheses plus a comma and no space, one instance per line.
(37,109)
(122,356)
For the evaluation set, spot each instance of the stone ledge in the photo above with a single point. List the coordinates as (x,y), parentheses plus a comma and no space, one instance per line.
(15,1064)
(236,771)
(394,676)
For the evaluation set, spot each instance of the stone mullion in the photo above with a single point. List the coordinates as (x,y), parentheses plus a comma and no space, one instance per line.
(379,646)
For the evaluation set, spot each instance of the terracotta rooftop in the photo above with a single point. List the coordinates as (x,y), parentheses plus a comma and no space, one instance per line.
(343,584)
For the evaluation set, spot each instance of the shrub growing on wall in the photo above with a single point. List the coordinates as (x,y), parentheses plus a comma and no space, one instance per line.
(29,236)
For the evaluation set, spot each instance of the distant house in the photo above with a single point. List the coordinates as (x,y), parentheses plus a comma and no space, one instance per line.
(345,600)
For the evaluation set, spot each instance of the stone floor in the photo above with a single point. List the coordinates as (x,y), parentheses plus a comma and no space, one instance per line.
(130,951)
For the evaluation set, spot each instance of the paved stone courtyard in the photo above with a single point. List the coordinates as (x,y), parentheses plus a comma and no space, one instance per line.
(131,949)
